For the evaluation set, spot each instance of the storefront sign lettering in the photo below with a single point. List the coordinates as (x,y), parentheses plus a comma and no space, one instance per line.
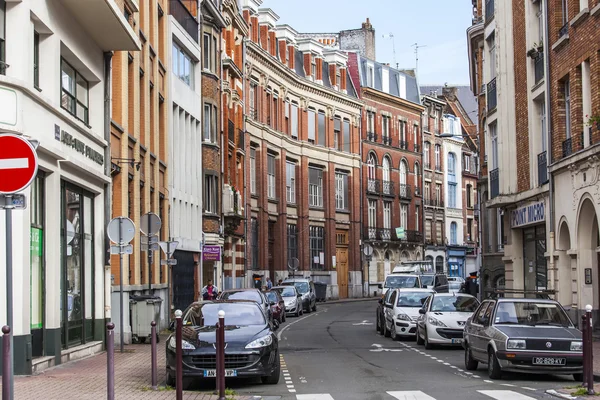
(529,214)
(68,140)
(211,253)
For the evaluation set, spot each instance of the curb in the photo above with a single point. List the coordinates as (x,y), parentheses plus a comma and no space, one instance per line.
(554,393)
(347,300)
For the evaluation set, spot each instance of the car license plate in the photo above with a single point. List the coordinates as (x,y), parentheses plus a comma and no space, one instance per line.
(457,341)
(212,373)
(549,361)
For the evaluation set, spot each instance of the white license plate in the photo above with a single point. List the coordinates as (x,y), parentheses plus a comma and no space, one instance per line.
(212,373)
(457,341)
(549,361)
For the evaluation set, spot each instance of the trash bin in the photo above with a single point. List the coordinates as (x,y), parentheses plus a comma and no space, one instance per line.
(321,291)
(144,309)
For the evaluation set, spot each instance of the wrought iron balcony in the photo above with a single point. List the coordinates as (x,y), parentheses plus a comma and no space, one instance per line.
(405,192)
(370,233)
(489,10)
(384,234)
(410,236)
(567,147)
(403,145)
(494,183)
(539,67)
(188,22)
(388,188)
(371,136)
(387,140)
(542,168)
(417,191)
(492,100)
(373,185)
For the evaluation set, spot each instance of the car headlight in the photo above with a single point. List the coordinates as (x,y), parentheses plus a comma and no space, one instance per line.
(185,345)
(436,322)
(517,344)
(576,346)
(260,342)
(403,316)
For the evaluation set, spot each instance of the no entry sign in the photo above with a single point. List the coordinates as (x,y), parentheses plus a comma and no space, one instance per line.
(18,163)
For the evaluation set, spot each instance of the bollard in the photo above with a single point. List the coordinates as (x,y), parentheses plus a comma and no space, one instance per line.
(590,357)
(178,356)
(110,360)
(6,363)
(221,355)
(153,333)
(585,349)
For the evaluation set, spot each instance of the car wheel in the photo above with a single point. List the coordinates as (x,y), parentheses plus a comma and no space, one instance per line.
(377,324)
(419,338)
(393,333)
(315,306)
(272,379)
(578,377)
(170,379)
(428,345)
(386,333)
(470,363)
(494,371)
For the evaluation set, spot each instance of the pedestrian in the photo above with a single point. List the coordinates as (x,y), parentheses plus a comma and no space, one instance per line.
(210,291)
(279,282)
(269,284)
(471,286)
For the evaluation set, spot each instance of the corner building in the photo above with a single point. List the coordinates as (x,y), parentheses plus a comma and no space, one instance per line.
(302,120)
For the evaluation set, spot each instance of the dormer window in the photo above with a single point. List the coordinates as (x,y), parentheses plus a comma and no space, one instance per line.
(370,76)
(313,69)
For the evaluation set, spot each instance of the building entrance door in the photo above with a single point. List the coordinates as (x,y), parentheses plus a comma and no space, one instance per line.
(341,261)
(534,261)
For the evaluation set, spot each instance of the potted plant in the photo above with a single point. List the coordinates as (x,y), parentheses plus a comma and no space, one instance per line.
(594,119)
(540,47)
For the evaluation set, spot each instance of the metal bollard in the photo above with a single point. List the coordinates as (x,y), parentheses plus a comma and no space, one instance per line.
(221,355)
(6,363)
(110,360)
(590,357)
(178,356)
(585,349)
(153,333)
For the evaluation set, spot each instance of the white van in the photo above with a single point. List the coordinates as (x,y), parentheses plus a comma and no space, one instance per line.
(414,267)
(400,281)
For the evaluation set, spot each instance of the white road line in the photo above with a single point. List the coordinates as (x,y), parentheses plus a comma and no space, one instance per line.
(505,395)
(476,376)
(488,381)
(440,361)
(292,323)
(292,390)
(508,384)
(290,386)
(14,163)
(324,396)
(528,388)
(410,395)
(446,363)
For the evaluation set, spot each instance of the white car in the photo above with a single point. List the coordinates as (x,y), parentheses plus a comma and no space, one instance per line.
(443,318)
(402,311)
(397,281)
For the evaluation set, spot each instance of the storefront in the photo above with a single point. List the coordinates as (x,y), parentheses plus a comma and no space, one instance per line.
(456,261)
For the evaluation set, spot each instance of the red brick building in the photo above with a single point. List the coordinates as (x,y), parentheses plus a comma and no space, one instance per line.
(391,143)
(303,163)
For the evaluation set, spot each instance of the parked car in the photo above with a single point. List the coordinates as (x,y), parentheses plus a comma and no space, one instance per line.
(277,305)
(292,299)
(379,313)
(402,310)
(306,288)
(524,335)
(249,294)
(443,318)
(252,346)
(437,282)
(401,280)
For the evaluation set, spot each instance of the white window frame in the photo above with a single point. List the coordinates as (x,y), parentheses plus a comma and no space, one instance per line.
(453,233)
(372,213)
(312,125)
(315,190)
(290,180)
(387,215)
(181,60)
(271,185)
(404,216)
(438,159)
(493,129)
(253,189)
(427,154)
(341,191)
(568,109)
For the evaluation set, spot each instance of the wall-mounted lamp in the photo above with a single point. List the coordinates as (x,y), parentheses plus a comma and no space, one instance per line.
(130,161)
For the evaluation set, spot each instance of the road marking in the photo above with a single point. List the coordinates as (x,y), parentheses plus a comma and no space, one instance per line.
(507,384)
(476,376)
(365,322)
(446,363)
(14,163)
(379,348)
(323,396)
(505,395)
(292,323)
(411,395)
(528,388)
(488,381)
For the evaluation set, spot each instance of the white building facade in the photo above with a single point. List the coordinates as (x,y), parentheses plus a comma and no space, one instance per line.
(54,74)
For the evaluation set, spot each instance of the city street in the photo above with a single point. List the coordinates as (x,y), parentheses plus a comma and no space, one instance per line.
(337,354)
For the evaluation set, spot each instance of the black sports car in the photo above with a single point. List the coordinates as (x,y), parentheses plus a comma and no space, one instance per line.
(252,349)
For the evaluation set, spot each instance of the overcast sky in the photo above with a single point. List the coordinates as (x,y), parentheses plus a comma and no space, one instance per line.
(439,25)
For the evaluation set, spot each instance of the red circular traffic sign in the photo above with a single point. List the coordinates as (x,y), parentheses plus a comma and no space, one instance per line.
(18,163)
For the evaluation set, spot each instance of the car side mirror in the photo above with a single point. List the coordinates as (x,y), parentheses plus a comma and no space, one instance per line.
(272,303)
(380,286)
(422,311)
(388,305)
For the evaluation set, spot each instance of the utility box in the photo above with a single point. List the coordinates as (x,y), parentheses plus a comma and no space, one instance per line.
(144,310)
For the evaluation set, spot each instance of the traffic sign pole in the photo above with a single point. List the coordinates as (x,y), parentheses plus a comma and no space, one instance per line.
(9,296)
(121,324)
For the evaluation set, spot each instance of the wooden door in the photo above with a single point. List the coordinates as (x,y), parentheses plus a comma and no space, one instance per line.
(341,256)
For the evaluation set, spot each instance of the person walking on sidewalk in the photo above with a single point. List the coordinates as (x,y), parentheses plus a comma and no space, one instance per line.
(210,291)
(269,284)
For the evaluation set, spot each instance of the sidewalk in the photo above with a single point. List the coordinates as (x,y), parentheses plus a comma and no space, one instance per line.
(596,347)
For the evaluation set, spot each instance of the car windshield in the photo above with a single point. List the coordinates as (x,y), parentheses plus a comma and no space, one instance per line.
(454,303)
(242,295)
(288,292)
(302,287)
(236,314)
(412,299)
(531,313)
(400,281)
(272,296)
(427,280)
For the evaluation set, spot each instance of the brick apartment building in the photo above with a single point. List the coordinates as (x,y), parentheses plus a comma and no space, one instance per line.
(139,148)
(391,165)
(303,145)
(573,41)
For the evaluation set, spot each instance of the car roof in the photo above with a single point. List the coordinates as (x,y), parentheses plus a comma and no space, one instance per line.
(232,301)
(526,300)
(453,294)
(414,290)
(242,290)
(296,280)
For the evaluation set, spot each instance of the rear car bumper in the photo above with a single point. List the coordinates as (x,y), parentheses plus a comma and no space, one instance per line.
(523,361)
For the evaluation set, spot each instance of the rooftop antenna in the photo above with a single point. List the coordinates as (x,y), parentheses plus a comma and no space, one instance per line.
(417,47)
(391,36)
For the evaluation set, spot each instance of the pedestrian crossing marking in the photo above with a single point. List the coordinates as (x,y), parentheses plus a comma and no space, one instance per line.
(419,395)
(411,395)
(324,396)
(505,395)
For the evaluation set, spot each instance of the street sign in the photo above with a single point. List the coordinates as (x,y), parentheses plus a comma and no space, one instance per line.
(153,247)
(293,264)
(121,249)
(170,261)
(18,163)
(152,239)
(13,201)
(150,224)
(368,250)
(121,230)
(169,247)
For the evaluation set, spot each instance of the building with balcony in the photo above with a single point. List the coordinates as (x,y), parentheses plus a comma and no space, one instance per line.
(139,152)
(391,167)
(433,180)
(303,146)
(55,61)
(574,117)
(185,150)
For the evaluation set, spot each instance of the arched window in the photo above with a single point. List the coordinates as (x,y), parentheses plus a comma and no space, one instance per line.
(371,166)
(451,163)
(403,172)
(386,169)
(453,228)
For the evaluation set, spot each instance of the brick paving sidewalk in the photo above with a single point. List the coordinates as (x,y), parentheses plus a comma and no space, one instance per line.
(86,379)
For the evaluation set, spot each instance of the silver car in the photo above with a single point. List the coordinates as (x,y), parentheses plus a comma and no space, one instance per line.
(292,299)
(306,288)
(524,335)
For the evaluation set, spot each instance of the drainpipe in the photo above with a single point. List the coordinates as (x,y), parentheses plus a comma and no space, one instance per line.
(246,214)
(107,186)
(362,206)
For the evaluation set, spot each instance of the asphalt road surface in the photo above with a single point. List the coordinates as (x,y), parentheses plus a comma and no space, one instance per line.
(336,354)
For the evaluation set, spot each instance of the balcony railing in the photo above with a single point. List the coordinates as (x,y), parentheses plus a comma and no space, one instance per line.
(384,234)
(370,233)
(489,10)
(567,147)
(405,192)
(388,188)
(542,168)
(403,145)
(417,191)
(182,15)
(373,185)
(417,149)
(372,136)
(410,236)
(231,131)
(539,67)
(387,140)
(564,30)
(491,95)
(494,182)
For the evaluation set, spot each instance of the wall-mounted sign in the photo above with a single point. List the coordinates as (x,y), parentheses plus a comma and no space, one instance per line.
(400,233)
(529,214)
(211,253)
(588,276)
(68,140)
